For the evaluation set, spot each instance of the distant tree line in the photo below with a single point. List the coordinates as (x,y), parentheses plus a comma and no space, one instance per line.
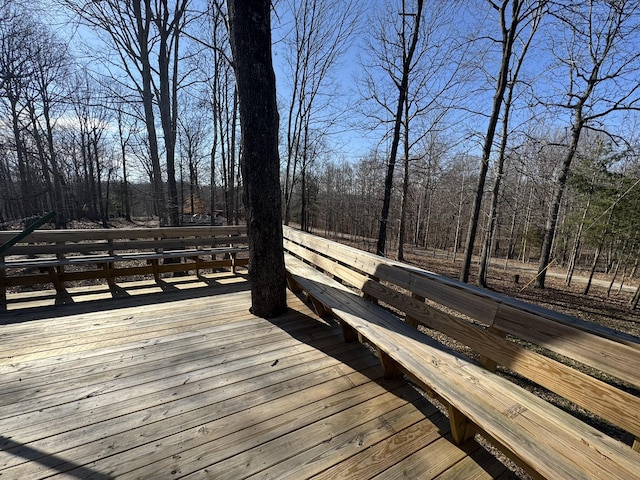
(492,129)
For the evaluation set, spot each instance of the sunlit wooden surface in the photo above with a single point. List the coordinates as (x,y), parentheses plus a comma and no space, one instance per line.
(181,381)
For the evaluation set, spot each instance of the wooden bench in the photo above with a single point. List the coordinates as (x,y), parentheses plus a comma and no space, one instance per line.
(62,256)
(599,371)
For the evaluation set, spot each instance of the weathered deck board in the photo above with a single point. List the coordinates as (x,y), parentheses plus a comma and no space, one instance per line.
(193,386)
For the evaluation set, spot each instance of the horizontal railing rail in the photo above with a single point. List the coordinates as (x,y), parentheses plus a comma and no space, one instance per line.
(62,256)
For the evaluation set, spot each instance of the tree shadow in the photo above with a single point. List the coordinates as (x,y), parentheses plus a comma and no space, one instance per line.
(54,462)
(401,386)
(170,293)
(350,356)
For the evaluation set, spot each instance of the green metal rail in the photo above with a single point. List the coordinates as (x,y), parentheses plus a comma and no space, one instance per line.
(38,223)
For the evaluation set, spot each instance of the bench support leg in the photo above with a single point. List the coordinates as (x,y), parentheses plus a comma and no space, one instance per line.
(292,284)
(636,444)
(319,307)
(54,274)
(156,269)
(461,428)
(108,272)
(196,261)
(411,320)
(389,365)
(370,297)
(348,333)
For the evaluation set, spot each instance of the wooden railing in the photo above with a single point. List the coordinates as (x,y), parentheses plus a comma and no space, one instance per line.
(506,343)
(58,257)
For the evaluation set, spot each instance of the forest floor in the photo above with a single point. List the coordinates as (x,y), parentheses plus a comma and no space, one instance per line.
(610,309)
(598,306)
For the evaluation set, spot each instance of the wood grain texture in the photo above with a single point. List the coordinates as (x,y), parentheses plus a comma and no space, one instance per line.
(78,235)
(614,358)
(197,385)
(547,441)
(479,303)
(606,401)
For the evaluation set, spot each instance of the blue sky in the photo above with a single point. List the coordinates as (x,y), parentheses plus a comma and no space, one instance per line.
(353,142)
(357,141)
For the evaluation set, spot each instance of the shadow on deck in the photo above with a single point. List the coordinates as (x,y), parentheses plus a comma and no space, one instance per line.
(186,383)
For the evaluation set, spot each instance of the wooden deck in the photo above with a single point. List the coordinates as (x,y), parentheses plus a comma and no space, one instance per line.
(186,383)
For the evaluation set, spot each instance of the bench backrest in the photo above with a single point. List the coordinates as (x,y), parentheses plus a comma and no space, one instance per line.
(603,371)
(57,243)
(61,256)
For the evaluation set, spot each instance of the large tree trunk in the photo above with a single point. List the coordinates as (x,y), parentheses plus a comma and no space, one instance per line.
(403,90)
(508,40)
(405,188)
(168,25)
(250,35)
(143,20)
(554,208)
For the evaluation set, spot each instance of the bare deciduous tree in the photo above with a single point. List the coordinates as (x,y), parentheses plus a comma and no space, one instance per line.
(140,32)
(16,70)
(224,106)
(512,14)
(533,15)
(602,61)
(319,34)
(402,84)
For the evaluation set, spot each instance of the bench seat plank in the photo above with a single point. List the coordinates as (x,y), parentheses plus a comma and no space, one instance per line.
(550,442)
(562,379)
